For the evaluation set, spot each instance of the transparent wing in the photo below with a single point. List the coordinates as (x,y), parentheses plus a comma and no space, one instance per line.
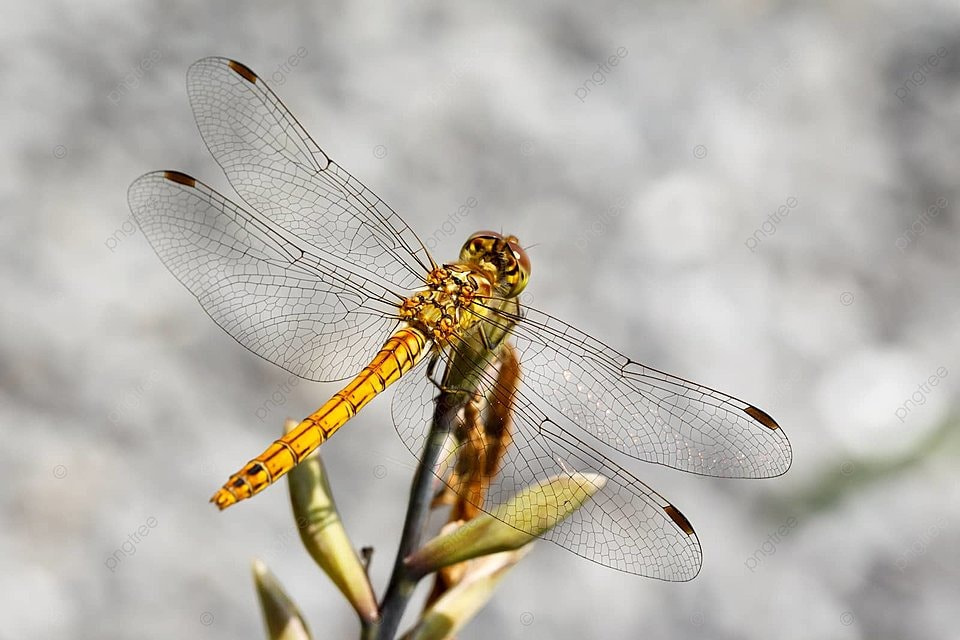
(625,525)
(272,291)
(280,171)
(579,382)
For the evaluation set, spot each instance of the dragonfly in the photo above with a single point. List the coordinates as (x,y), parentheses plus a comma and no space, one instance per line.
(314,273)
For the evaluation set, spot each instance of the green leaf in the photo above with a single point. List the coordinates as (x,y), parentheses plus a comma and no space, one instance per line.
(326,539)
(522,519)
(280,613)
(462,602)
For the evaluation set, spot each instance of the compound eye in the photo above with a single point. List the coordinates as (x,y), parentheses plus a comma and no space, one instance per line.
(522,258)
(478,244)
(485,235)
(483,239)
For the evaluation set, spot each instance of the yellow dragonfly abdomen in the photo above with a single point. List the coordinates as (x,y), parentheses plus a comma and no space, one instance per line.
(399,354)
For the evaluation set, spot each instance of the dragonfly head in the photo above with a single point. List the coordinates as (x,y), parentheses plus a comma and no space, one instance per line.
(501,257)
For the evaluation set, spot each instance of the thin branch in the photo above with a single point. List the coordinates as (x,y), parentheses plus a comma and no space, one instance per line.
(403,581)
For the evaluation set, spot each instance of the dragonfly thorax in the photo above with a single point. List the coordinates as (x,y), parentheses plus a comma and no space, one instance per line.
(442,308)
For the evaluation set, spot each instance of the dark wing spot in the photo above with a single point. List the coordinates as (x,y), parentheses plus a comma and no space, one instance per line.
(679,519)
(179,178)
(762,417)
(244,71)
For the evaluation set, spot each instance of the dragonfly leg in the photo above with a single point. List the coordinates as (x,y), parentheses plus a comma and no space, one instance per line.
(487,344)
(431,375)
(432,369)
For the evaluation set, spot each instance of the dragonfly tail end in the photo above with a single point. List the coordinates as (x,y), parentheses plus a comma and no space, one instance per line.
(223,498)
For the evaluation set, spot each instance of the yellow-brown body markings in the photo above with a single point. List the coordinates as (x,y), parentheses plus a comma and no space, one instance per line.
(399,354)
(443,310)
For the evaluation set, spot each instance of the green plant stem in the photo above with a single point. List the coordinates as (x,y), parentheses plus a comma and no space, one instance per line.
(367,628)
(403,581)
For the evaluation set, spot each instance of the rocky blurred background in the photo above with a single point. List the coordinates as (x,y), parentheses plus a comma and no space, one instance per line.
(761,196)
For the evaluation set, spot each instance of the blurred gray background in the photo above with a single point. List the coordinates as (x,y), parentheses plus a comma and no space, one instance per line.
(761,196)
